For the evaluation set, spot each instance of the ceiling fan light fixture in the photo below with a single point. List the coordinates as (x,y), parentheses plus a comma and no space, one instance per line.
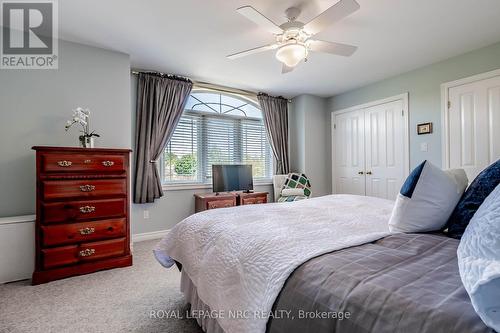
(291,54)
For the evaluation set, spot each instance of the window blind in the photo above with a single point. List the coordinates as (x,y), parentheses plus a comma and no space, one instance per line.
(201,140)
(181,156)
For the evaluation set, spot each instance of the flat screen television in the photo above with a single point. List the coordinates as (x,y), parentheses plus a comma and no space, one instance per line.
(234,177)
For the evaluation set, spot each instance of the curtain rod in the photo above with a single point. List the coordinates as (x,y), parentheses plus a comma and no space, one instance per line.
(211,86)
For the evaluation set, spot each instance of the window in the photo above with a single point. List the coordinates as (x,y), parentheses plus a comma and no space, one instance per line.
(216,129)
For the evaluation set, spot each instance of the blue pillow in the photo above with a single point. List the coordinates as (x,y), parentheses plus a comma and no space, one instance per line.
(480,188)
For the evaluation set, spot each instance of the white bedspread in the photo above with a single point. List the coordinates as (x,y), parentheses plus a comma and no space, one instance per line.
(239,258)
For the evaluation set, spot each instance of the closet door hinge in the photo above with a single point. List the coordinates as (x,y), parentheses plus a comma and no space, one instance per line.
(449,104)
(402,113)
(334,126)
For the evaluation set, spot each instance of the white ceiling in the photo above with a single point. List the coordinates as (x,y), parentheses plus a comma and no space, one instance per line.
(192,38)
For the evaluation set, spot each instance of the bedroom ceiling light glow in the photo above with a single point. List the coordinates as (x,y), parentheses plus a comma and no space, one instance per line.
(291,54)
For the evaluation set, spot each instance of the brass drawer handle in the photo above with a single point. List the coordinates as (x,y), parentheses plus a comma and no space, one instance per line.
(87,231)
(369,173)
(87,209)
(87,188)
(108,163)
(86,252)
(361,173)
(64,163)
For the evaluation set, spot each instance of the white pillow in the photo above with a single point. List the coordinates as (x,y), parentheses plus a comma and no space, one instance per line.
(479,260)
(460,178)
(287,192)
(425,201)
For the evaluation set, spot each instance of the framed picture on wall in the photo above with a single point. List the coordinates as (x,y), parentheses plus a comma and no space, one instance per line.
(425,128)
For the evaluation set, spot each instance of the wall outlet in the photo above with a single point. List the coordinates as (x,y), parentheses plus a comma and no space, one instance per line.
(424,146)
(146,214)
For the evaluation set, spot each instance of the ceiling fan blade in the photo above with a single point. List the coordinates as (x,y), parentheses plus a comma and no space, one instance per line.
(252,51)
(286,69)
(332,48)
(253,15)
(333,14)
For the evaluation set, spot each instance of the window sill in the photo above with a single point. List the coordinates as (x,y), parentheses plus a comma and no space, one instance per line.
(181,187)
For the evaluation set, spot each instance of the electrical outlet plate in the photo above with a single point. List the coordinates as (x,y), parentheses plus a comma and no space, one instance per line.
(146,214)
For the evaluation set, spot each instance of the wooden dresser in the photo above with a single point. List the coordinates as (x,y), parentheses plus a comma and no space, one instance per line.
(82,211)
(204,201)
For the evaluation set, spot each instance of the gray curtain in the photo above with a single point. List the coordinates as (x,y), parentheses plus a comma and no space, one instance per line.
(160,103)
(275,112)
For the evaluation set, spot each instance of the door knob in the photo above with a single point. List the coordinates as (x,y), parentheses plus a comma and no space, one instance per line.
(368,172)
(361,173)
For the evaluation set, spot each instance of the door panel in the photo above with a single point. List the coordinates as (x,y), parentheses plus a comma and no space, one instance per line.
(494,125)
(474,125)
(349,153)
(384,135)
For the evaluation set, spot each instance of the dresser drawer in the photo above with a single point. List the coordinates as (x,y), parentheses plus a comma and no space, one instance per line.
(221,203)
(55,163)
(254,200)
(73,254)
(83,232)
(70,211)
(90,188)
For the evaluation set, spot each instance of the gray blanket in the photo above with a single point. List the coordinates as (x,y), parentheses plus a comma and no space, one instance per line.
(402,283)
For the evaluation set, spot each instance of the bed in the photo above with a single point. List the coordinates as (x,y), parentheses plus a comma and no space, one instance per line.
(327,264)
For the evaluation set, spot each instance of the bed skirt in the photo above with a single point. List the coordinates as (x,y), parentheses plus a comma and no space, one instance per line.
(208,324)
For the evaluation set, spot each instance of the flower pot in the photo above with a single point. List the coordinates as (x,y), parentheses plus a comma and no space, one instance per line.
(86,142)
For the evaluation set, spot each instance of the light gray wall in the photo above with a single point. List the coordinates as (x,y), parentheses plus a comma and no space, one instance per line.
(424,90)
(35,104)
(296,135)
(309,147)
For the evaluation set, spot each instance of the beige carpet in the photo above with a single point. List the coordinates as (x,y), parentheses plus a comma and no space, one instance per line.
(117,300)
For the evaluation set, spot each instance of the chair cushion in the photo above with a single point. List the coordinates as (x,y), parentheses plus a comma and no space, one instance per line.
(426,200)
(291,198)
(480,188)
(288,192)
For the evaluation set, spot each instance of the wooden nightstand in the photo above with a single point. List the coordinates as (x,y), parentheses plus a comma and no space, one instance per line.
(204,201)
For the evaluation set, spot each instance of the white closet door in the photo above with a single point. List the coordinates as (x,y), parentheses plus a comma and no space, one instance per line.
(474,125)
(384,142)
(349,152)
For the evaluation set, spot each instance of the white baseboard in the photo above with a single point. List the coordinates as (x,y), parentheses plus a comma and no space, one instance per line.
(149,235)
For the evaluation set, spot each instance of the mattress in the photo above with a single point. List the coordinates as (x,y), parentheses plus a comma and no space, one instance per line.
(401,283)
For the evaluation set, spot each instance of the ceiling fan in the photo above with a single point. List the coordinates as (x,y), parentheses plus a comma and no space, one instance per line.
(293,38)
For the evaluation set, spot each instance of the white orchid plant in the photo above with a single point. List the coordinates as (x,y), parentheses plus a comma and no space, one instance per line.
(81,117)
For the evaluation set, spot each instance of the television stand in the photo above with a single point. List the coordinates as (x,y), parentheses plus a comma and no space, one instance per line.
(205,201)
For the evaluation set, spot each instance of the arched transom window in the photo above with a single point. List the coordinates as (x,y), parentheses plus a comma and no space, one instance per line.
(216,128)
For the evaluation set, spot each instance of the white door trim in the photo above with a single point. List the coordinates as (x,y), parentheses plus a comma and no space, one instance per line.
(405,98)
(445,87)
